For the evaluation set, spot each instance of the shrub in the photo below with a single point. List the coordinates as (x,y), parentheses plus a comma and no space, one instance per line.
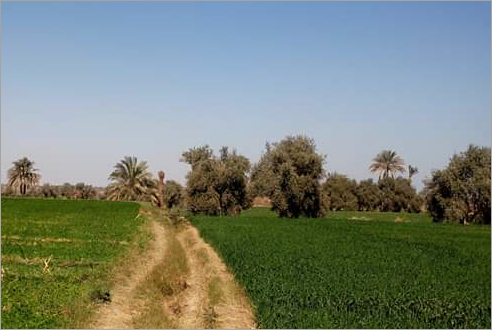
(289,173)
(461,191)
(216,185)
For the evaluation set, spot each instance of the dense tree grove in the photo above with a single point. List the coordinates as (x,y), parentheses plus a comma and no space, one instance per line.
(289,173)
(216,185)
(65,191)
(291,178)
(461,191)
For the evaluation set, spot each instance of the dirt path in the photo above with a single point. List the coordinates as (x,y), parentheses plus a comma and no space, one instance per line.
(124,303)
(213,298)
(185,282)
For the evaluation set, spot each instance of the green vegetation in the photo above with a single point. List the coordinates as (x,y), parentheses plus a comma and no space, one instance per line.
(132,181)
(22,175)
(387,163)
(216,185)
(57,255)
(461,191)
(340,273)
(289,173)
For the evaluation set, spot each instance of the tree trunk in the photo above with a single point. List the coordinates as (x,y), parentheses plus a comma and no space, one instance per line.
(161,191)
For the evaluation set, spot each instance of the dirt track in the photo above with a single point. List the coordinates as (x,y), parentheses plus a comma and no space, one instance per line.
(209,298)
(124,303)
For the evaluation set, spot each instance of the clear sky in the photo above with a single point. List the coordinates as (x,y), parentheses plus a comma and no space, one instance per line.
(85,83)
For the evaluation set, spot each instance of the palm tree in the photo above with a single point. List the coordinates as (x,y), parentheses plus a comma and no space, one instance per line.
(387,162)
(22,175)
(412,171)
(132,181)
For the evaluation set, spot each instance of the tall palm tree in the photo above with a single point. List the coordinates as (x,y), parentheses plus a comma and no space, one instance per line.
(387,162)
(132,181)
(22,175)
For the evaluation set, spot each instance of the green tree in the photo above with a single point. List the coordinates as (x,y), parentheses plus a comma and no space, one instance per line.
(341,192)
(262,183)
(368,195)
(291,171)
(387,163)
(22,175)
(461,191)
(398,195)
(132,181)
(216,185)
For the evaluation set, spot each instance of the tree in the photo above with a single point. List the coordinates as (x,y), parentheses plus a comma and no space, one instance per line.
(341,192)
(175,194)
(84,191)
(67,190)
(50,191)
(387,163)
(132,181)
(368,195)
(461,191)
(22,175)
(398,195)
(262,183)
(291,172)
(216,185)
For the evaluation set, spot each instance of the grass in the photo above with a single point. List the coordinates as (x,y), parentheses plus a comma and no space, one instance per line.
(340,273)
(82,241)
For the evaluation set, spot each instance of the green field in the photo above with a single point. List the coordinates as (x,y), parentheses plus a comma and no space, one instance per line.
(81,237)
(340,273)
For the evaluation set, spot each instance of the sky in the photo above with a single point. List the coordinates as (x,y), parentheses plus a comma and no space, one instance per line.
(85,83)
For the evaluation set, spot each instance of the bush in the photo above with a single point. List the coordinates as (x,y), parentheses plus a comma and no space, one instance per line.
(461,191)
(289,173)
(216,185)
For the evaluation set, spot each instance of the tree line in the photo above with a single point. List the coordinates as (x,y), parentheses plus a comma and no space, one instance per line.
(291,174)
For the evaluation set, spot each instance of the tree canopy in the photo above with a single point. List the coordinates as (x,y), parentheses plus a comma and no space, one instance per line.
(22,175)
(461,191)
(216,185)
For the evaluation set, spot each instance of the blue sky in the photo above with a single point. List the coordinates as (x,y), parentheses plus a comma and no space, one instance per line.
(86,83)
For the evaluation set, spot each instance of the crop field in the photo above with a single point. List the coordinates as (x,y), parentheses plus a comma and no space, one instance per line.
(340,273)
(55,253)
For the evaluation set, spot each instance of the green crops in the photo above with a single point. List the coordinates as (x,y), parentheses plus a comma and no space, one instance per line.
(339,273)
(81,237)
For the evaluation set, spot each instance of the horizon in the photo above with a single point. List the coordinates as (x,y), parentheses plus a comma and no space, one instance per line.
(85,84)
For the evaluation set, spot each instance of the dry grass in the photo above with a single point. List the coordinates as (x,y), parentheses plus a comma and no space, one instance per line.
(124,304)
